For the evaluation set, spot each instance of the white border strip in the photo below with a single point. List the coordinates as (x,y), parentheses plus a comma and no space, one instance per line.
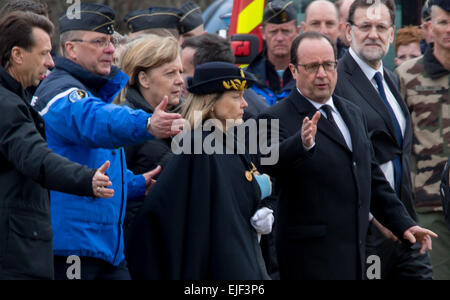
(54,99)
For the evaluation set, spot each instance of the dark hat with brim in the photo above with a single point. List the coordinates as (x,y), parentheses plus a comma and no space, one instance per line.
(190,17)
(444,4)
(90,17)
(218,77)
(278,12)
(152,18)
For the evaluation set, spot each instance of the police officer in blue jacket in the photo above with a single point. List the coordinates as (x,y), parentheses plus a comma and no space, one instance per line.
(83,125)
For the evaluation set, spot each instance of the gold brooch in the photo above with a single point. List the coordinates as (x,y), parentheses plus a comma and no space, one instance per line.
(249,174)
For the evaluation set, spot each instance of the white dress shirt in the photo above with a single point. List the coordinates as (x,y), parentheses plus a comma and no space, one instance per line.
(336,116)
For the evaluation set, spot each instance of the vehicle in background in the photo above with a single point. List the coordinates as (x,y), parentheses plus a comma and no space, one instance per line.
(217,17)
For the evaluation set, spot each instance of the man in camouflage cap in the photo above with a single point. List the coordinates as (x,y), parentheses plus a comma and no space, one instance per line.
(425,88)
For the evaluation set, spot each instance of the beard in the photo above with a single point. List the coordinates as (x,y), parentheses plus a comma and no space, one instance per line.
(370,54)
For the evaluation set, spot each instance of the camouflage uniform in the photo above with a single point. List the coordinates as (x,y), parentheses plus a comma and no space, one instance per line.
(424,84)
(428,100)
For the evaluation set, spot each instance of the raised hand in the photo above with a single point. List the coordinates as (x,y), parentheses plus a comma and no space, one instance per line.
(100,182)
(161,121)
(309,129)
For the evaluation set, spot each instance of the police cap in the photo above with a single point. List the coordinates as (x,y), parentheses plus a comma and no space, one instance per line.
(151,18)
(278,12)
(90,17)
(190,17)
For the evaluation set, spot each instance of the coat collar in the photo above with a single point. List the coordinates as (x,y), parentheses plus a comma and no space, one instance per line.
(137,101)
(368,93)
(11,84)
(432,66)
(305,108)
(105,87)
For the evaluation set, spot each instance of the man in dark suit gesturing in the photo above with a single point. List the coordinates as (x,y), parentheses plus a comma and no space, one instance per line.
(364,81)
(327,176)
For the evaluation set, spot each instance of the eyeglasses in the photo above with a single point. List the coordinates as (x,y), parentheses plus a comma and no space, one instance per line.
(328,66)
(367,27)
(100,43)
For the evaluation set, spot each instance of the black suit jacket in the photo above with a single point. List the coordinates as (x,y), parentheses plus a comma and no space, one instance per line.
(353,85)
(326,195)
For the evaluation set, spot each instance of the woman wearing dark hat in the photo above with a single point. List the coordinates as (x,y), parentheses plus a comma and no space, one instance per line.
(201,219)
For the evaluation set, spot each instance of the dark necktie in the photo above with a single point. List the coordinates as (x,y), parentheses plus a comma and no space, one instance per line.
(398,132)
(327,109)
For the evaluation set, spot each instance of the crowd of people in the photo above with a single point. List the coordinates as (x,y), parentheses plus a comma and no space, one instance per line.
(143,152)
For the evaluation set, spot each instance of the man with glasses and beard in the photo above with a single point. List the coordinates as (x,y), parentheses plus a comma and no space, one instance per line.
(367,83)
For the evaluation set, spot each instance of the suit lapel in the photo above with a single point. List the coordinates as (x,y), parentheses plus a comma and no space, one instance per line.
(305,108)
(367,91)
(349,117)
(401,102)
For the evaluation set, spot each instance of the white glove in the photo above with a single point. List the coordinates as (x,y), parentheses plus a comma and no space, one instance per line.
(262,220)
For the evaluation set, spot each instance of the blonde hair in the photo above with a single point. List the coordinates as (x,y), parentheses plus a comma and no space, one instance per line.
(202,103)
(145,54)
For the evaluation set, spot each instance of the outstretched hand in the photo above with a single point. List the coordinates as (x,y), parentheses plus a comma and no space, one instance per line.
(164,124)
(309,129)
(149,181)
(421,235)
(100,181)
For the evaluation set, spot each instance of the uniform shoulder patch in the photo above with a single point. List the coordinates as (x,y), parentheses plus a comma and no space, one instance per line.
(77,95)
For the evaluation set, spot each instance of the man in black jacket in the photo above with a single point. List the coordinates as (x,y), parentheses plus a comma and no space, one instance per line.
(328,187)
(365,82)
(27,166)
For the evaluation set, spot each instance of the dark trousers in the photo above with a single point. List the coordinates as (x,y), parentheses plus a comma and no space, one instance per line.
(399,261)
(91,269)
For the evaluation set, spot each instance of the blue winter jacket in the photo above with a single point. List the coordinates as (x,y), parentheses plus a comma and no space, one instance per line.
(83,125)
(258,68)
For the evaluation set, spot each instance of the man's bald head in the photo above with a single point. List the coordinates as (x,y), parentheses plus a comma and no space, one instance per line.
(322,16)
(316,5)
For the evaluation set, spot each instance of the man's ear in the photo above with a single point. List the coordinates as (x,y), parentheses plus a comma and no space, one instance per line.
(69,48)
(302,26)
(341,26)
(293,71)
(17,55)
(391,38)
(261,31)
(348,34)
